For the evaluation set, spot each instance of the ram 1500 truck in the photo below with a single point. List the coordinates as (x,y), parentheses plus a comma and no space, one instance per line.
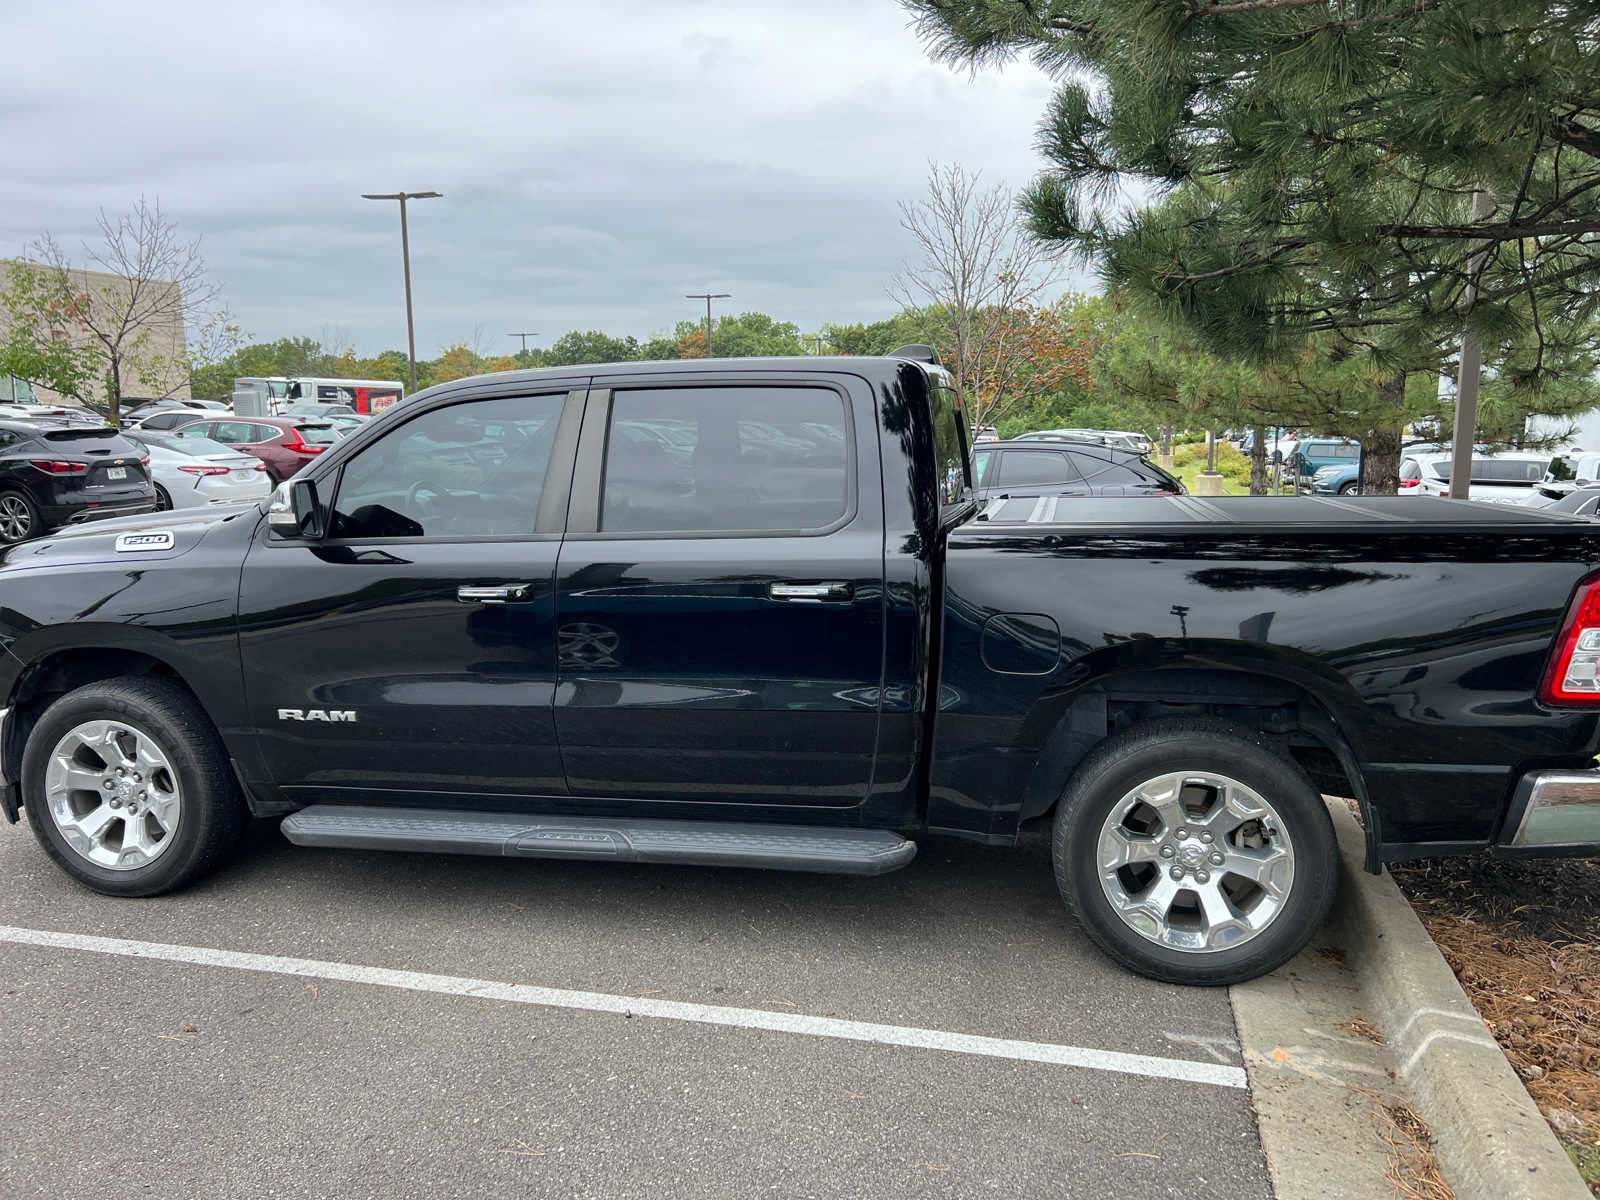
(749,613)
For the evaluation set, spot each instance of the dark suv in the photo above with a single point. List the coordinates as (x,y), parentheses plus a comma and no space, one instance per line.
(54,476)
(1006,470)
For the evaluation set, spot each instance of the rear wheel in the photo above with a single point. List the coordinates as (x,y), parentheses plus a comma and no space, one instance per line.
(127,787)
(1194,853)
(19,519)
(163,500)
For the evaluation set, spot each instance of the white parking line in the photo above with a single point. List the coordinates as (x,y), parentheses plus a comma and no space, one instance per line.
(1183,1070)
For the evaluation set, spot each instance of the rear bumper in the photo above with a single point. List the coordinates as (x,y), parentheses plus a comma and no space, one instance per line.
(1555,811)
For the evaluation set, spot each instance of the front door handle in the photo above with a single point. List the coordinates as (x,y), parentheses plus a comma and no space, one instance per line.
(499,593)
(813,592)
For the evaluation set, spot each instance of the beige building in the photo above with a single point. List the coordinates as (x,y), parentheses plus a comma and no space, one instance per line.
(160,349)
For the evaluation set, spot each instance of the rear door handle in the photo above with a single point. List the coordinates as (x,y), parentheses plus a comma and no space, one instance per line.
(813,592)
(499,593)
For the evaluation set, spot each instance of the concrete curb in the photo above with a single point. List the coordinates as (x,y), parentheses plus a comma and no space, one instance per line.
(1491,1141)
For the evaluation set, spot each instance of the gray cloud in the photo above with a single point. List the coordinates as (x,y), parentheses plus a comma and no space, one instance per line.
(598,161)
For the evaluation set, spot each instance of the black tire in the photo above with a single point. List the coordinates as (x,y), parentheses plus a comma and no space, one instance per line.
(163,500)
(1201,744)
(1349,489)
(24,509)
(212,811)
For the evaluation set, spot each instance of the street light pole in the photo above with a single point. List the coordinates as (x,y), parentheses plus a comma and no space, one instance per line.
(405,260)
(708,297)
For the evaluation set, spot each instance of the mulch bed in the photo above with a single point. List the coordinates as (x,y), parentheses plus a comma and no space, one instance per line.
(1523,937)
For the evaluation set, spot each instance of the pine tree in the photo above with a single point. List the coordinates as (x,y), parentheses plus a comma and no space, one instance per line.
(1310,167)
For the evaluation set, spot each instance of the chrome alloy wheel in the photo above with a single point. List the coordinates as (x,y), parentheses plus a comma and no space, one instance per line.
(1195,861)
(16,522)
(113,794)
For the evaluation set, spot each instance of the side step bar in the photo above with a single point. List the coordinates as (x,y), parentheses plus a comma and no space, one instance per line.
(518,835)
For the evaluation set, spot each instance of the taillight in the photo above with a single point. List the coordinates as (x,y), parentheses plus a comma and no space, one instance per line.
(1405,483)
(260,466)
(145,461)
(198,469)
(60,466)
(1573,676)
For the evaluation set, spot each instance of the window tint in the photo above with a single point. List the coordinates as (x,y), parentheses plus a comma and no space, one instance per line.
(1105,472)
(950,443)
(703,459)
(470,470)
(240,432)
(168,420)
(1022,467)
(317,435)
(980,460)
(1499,470)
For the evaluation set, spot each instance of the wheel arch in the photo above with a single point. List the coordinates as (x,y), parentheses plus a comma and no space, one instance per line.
(1295,719)
(55,670)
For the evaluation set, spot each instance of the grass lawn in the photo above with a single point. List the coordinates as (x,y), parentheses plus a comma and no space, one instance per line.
(1189,461)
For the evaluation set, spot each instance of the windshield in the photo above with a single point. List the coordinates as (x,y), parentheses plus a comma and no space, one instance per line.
(317,435)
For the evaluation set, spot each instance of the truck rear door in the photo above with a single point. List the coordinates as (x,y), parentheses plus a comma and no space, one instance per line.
(719,594)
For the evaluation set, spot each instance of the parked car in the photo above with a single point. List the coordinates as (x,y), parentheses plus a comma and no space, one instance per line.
(1506,478)
(1311,454)
(323,410)
(284,444)
(1580,502)
(194,472)
(61,475)
(1337,479)
(1568,471)
(158,418)
(344,423)
(1120,439)
(1061,467)
(556,641)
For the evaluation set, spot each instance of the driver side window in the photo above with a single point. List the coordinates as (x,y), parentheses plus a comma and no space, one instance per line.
(474,469)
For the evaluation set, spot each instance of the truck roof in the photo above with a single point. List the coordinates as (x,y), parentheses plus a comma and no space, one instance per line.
(870,365)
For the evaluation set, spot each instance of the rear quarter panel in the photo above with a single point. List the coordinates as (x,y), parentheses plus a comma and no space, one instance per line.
(1424,647)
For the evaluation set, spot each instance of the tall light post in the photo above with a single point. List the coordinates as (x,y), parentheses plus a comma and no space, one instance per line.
(405,260)
(708,297)
(524,336)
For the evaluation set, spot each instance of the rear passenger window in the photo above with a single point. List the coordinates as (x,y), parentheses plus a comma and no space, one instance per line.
(1021,467)
(1101,472)
(725,459)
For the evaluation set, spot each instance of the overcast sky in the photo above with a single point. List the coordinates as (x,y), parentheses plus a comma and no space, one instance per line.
(597,160)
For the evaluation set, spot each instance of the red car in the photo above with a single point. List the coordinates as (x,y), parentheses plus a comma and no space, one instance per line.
(285,444)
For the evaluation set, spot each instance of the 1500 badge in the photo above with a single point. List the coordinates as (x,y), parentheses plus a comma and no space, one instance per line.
(317,714)
(160,540)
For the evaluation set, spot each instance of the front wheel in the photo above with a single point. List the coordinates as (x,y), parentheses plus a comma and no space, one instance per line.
(127,787)
(1194,853)
(163,501)
(1349,489)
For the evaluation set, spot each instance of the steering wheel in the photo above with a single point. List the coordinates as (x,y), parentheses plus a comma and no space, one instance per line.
(414,498)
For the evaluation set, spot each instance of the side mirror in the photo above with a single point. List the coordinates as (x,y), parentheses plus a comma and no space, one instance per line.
(295,512)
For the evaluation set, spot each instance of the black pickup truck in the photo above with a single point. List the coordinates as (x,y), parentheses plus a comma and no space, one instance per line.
(749,613)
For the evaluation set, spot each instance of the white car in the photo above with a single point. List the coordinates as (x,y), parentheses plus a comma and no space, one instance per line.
(1506,478)
(195,472)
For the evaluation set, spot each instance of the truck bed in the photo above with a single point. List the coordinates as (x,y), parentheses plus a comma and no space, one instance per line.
(1305,512)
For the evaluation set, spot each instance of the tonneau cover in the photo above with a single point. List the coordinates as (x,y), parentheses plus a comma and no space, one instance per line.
(1168,512)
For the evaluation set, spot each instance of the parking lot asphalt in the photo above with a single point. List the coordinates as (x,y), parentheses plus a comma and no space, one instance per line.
(130,1076)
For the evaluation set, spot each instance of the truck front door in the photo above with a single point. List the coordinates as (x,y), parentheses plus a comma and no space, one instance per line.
(409,655)
(719,602)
